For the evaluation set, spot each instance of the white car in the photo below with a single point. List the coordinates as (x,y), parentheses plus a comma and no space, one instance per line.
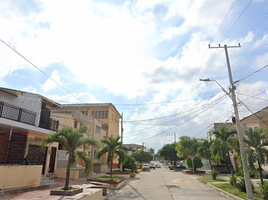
(145,167)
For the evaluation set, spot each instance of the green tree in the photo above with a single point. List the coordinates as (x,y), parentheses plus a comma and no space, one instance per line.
(204,150)
(130,164)
(256,143)
(186,147)
(169,152)
(114,148)
(142,156)
(221,147)
(197,163)
(71,139)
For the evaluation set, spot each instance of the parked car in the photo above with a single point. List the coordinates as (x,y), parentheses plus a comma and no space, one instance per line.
(152,166)
(157,166)
(171,167)
(145,167)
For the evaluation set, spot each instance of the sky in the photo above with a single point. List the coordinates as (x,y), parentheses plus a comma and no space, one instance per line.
(144,56)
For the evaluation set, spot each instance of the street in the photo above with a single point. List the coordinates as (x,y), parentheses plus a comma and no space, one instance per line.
(165,184)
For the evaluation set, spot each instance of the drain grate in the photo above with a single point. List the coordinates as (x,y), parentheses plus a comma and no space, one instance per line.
(169,186)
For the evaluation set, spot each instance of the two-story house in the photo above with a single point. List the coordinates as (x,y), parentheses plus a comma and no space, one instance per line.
(24,121)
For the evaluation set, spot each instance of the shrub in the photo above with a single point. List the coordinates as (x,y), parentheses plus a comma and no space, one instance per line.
(264,190)
(241,185)
(265,174)
(130,164)
(197,163)
(214,174)
(231,180)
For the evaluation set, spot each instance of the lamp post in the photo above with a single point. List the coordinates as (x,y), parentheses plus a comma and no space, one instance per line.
(240,137)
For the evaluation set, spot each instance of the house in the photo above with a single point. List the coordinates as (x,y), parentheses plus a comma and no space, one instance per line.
(24,121)
(102,118)
(134,147)
(216,127)
(72,117)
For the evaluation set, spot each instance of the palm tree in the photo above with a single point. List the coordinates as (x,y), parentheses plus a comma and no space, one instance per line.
(115,149)
(256,143)
(221,147)
(204,150)
(71,139)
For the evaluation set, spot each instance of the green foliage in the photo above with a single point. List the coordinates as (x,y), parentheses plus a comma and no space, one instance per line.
(204,150)
(214,174)
(231,180)
(114,148)
(256,142)
(142,156)
(139,165)
(168,152)
(264,190)
(241,185)
(186,147)
(197,163)
(71,140)
(265,174)
(130,164)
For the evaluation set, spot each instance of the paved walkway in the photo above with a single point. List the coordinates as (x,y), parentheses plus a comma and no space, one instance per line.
(45,194)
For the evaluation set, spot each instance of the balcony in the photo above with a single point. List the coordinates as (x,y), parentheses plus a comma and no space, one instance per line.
(18,114)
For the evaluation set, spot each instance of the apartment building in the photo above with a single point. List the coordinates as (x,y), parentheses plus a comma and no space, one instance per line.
(24,121)
(102,119)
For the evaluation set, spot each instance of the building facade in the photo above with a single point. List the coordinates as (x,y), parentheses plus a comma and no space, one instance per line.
(24,121)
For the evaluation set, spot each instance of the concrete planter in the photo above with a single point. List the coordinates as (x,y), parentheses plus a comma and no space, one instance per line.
(71,192)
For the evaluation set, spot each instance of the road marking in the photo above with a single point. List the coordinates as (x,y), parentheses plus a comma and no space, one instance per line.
(181,181)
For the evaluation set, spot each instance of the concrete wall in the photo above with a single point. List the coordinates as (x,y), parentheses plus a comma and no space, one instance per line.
(61,173)
(27,101)
(20,176)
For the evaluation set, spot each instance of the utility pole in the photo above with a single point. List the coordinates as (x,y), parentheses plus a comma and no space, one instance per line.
(122,129)
(238,127)
(175,138)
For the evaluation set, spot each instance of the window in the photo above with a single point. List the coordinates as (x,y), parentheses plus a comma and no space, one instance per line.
(106,114)
(75,124)
(92,113)
(96,114)
(102,114)
(99,114)
(97,129)
(86,113)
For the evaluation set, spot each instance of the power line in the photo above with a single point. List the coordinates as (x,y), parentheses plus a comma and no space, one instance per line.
(40,70)
(178,124)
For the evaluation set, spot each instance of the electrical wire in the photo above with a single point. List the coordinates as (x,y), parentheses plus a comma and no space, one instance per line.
(40,70)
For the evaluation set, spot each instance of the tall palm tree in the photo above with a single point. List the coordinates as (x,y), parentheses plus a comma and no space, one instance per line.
(221,147)
(71,139)
(115,149)
(204,150)
(256,143)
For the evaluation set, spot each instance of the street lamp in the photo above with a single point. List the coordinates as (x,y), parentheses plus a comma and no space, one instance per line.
(240,136)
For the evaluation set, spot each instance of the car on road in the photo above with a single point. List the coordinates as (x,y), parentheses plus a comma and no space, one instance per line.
(145,167)
(152,166)
(157,166)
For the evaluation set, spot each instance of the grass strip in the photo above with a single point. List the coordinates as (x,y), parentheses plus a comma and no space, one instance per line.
(108,178)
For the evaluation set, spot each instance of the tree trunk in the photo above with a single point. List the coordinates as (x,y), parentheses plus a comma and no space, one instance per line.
(210,164)
(111,169)
(121,167)
(66,187)
(232,170)
(260,169)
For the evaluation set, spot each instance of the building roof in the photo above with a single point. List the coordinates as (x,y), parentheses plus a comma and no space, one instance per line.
(93,105)
(19,92)
(261,114)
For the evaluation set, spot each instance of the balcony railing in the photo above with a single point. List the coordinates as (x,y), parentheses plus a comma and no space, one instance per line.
(49,124)
(18,114)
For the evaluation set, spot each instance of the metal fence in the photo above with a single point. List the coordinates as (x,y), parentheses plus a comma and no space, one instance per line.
(18,150)
(15,113)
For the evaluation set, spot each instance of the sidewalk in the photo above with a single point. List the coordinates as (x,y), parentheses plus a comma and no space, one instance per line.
(45,193)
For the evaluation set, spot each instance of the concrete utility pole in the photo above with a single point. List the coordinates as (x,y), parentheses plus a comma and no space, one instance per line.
(122,129)
(238,127)
(175,138)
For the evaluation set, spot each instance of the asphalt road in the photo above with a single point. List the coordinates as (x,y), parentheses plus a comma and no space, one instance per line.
(165,184)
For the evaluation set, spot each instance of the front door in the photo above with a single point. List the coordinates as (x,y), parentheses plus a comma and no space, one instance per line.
(52,159)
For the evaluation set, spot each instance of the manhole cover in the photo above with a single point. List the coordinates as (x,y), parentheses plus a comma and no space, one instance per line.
(169,186)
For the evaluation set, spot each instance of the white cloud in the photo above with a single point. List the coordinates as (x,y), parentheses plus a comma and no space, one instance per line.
(52,82)
(260,61)
(261,42)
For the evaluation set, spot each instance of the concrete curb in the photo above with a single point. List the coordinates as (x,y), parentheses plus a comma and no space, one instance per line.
(222,191)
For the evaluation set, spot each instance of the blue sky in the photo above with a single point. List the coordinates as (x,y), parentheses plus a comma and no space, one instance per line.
(144,56)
